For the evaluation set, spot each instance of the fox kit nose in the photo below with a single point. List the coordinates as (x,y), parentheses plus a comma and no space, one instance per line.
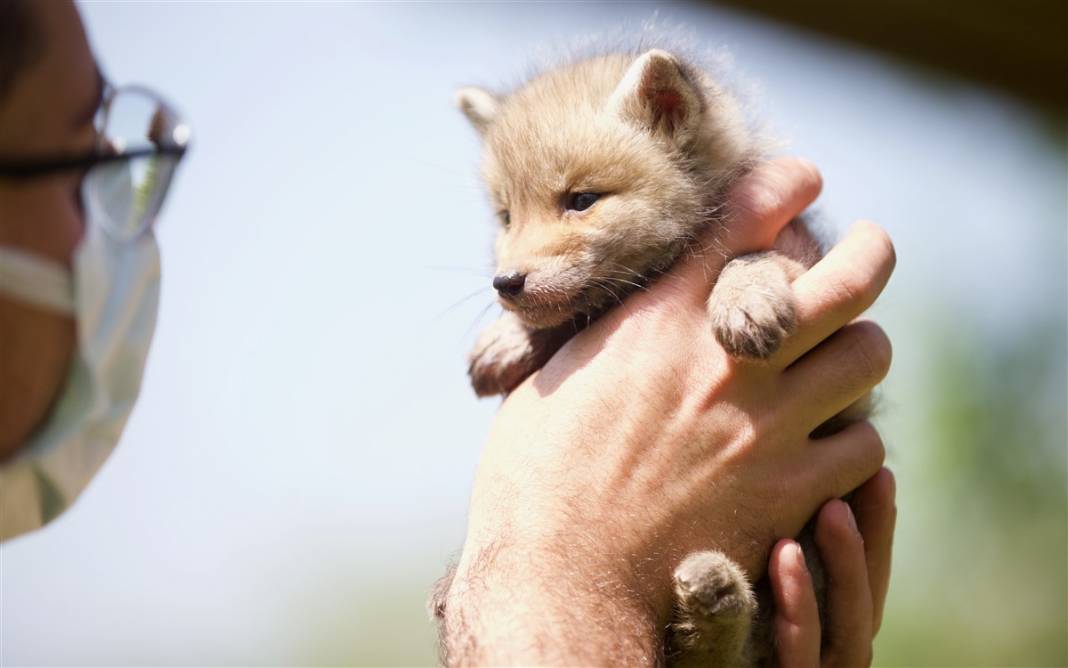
(509,285)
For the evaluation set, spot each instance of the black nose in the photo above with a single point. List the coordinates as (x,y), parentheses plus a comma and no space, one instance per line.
(509,285)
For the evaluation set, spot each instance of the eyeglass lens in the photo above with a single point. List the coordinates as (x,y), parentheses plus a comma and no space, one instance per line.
(127,194)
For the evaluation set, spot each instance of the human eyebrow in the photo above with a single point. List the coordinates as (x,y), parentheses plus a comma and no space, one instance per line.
(87,112)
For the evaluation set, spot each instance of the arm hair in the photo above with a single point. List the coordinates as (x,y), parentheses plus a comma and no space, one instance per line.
(500,613)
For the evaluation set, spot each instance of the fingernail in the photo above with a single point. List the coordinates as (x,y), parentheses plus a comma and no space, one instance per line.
(799,557)
(849,516)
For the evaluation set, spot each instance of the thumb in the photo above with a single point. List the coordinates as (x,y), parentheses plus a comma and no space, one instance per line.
(759,206)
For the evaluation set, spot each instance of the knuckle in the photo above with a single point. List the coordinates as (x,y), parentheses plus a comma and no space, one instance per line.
(759,198)
(872,443)
(866,456)
(761,430)
(873,351)
(775,184)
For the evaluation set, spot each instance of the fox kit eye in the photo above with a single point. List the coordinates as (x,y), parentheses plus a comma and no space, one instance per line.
(506,219)
(581,201)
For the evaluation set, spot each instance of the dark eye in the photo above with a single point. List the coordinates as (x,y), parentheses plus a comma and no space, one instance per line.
(506,219)
(581,201)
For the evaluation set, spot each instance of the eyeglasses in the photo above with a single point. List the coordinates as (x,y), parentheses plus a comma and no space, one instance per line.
(140,141)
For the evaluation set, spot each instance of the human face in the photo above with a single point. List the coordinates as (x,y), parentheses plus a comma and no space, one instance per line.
(48,111)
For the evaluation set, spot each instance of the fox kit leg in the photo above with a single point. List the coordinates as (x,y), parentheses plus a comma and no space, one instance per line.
(508,351)
(714,611)
(502,358)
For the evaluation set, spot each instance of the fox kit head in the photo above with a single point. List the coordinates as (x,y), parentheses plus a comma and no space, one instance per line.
(601,172)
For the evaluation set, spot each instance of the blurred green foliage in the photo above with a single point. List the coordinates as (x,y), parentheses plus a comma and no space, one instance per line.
(980,576)
(384,624)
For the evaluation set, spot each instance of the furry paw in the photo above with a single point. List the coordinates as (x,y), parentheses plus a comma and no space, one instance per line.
(709,584)
(713,613)
(502,358)
(751,306)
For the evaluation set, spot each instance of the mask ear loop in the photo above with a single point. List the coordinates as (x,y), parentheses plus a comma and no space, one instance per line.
(36,281)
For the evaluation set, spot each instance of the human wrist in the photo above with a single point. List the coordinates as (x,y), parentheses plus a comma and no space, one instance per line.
(539,602)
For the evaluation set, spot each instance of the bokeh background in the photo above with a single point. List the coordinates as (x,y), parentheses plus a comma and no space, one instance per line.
(297,470)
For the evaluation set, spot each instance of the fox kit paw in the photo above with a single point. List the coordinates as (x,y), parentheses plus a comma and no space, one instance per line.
(714,611)
(502,357)
(709,584)
(751,306)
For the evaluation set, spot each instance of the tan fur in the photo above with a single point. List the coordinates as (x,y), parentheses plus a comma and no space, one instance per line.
(572,130)
(660,142)
(715,608)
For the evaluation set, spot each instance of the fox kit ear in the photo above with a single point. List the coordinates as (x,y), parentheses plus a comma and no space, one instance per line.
(479,106)
(656,95)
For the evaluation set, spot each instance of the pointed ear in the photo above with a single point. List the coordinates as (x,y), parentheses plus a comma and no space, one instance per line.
(479,106)
(656,94)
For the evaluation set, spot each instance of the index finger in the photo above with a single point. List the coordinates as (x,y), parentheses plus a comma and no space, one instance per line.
(839,288)
(759,206)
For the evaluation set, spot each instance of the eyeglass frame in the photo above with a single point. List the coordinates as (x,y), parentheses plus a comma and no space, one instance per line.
(21,169)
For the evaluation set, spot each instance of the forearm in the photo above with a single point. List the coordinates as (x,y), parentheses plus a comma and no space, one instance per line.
(509,606)
(642,441)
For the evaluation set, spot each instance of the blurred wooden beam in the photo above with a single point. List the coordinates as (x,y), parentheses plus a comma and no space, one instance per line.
(1018,45)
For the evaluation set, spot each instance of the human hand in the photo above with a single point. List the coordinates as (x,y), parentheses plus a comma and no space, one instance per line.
(642,441)
(854,541)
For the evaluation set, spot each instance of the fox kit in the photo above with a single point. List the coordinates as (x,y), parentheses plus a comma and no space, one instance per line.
(602,172)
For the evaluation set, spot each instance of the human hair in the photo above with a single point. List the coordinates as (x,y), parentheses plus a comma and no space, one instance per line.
(20,41)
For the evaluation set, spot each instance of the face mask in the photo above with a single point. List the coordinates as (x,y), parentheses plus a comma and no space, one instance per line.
(113,296)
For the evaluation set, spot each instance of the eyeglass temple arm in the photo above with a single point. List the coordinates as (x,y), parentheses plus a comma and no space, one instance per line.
(27,170)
